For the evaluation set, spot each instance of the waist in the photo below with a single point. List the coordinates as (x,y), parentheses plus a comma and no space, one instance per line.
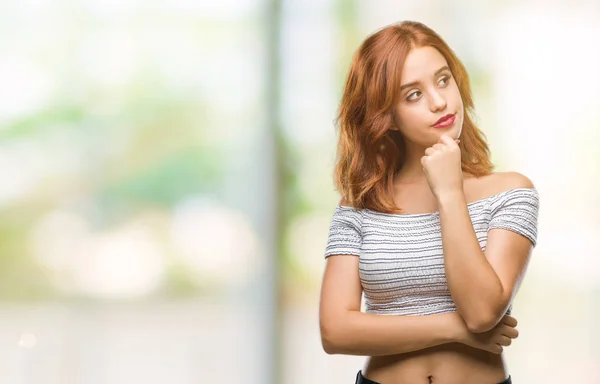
(452,363)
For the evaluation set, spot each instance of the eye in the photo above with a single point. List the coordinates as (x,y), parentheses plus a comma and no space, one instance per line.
(412,96)
(445,80)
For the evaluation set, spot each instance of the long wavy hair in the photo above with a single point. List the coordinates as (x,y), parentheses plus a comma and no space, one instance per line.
(369,151)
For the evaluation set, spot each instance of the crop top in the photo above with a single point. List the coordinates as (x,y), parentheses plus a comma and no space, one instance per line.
(401,263)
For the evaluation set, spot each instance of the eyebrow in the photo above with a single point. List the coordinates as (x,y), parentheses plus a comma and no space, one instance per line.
(408,85)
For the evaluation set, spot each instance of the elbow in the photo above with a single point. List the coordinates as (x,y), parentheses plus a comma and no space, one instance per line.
(484,316)
(480,323)
(330,339)
(479,326)
(329,346)
(329,343)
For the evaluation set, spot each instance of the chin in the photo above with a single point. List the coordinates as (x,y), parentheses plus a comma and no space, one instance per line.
(454,132)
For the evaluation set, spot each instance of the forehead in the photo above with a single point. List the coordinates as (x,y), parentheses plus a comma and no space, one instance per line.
(421,63)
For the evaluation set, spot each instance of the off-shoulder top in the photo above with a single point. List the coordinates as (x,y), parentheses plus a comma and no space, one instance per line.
(401,263)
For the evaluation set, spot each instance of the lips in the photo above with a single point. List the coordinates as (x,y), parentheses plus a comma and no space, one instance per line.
(444,121)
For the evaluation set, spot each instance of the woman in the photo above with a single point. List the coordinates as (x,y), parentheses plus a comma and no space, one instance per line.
(442,241)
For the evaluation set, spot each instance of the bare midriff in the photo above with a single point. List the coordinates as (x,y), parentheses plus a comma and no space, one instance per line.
(452,363)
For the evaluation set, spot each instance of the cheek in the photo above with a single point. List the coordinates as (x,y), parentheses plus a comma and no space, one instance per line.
(456,95)
(411,119)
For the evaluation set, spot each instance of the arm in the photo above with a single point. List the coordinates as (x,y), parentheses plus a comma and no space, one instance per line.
(347,330)
(482,284)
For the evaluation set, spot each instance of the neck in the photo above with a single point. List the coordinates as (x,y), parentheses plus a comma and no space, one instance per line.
(412,170)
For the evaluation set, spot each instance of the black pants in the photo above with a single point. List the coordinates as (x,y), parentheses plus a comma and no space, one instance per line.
(360,379)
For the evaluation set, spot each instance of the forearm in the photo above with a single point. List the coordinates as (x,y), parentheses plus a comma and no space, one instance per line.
(473,283)
(364,334)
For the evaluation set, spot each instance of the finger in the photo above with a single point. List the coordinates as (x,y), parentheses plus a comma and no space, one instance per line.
(497,349)
(504,341)
(509,320)
(438,146)
(511,332)
(430,151)
(446,139)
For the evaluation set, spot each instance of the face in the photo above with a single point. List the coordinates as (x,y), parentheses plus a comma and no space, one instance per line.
(428,92)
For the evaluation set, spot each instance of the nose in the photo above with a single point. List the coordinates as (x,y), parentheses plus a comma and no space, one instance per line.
(436,101)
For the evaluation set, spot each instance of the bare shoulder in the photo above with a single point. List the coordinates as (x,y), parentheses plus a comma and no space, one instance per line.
(499,182)
(504,181)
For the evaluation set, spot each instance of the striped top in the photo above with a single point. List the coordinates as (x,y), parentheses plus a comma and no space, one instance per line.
(401,262)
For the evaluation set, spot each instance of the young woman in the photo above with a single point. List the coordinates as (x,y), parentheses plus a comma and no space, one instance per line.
(436,241)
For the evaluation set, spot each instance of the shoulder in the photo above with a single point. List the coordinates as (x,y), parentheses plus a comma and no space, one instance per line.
(505,181)
(515,205)
(499,182)
(512,190)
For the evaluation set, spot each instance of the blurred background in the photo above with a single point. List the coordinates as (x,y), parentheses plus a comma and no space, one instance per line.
(167,188)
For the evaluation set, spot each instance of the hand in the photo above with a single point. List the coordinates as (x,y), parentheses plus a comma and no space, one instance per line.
(442,166)
(493,340)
